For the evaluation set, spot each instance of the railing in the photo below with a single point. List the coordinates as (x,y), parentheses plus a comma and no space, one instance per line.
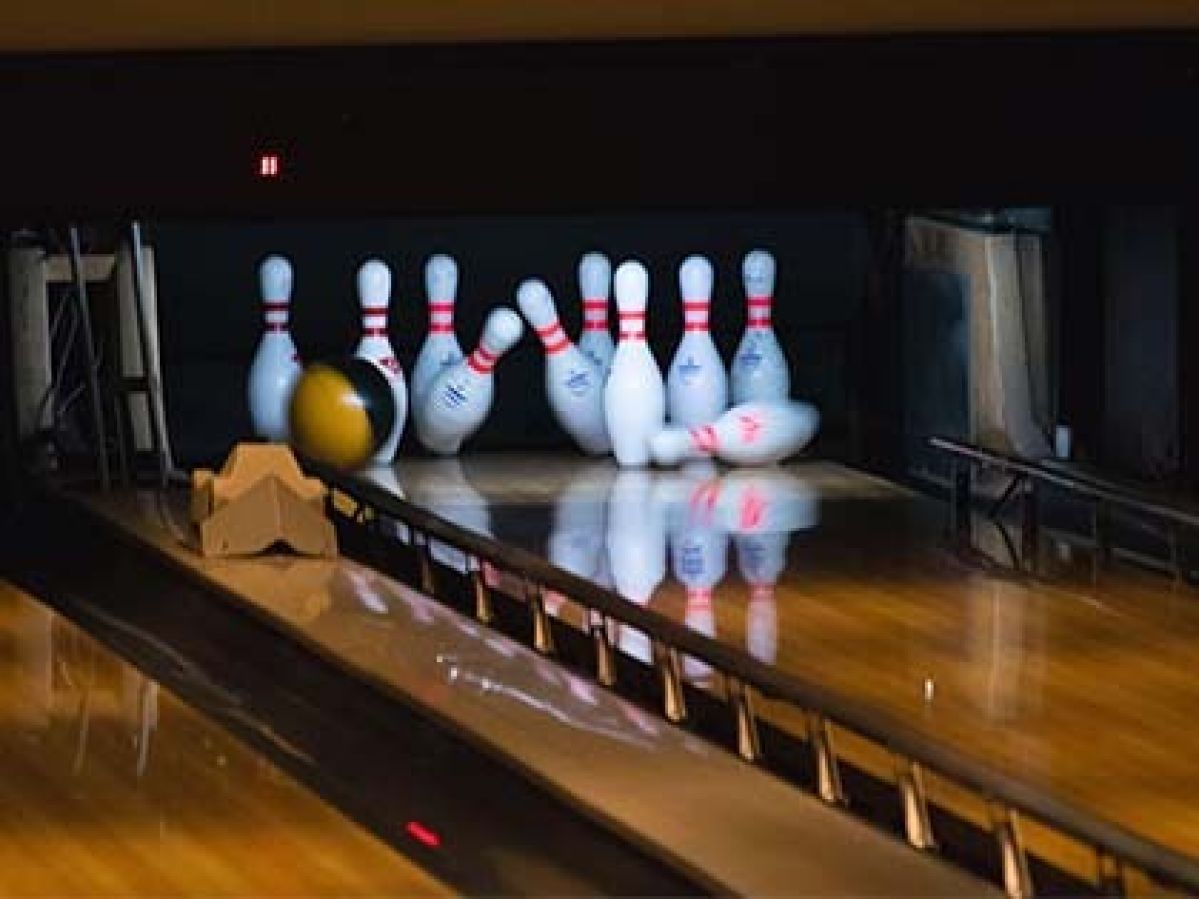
(1118,852)
(1027,473)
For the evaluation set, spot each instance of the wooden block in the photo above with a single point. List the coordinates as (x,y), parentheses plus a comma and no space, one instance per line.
(260,498)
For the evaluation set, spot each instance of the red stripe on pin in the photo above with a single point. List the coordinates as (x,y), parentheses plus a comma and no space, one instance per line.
(275,305)
(593,305)
(695,305)
(439,306)
(556,346)
(632,316)
(595,326)
(441,329)
(276,327)
(704,439)
(695,326)
(759,302)
(374,332)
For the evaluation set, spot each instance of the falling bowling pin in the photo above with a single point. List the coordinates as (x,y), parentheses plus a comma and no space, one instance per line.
(634,396)
(441,348)
(276,365)
(460,398)
(749,434)
(374,299)
(595,283)
(573,383)
(759,370)
(697,386)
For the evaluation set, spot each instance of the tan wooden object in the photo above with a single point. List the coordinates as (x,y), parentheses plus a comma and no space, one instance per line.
(260,498)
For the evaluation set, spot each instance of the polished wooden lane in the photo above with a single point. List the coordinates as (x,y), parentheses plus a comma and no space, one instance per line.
(727,826)
(111,786)
(1085,687)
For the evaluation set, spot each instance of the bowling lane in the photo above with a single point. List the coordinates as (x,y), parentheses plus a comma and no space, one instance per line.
(111,786)
(1082,686)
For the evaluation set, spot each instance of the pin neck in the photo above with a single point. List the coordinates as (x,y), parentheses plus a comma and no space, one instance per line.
(374,321)
(553,338)
(274,314)
(695,315)
(632,325)
(761,592)
(705,439)
(482,360)
(758,311)
(595,314)
(441,316)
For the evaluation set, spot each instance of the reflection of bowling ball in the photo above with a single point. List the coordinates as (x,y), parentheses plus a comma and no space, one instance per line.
(342,412)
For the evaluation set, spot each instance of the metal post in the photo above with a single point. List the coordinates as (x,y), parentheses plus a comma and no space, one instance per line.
(150,371)
(917,824)
(605,662)
(749,743)
(1017,881)
(828,773)
(543,635)
(483,611)
(959,506)
(1110,875)
(89,359)
(428,584)
(674,703)
(1030,527)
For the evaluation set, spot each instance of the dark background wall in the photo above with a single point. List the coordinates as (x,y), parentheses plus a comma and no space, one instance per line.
(210,318)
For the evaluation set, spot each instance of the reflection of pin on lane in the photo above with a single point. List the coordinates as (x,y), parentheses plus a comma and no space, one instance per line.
(749,434)
(441,348)
(761,558)
(374,299)
(762,501)
(699,554)
(636,536)
(276,365)
(697,387)
(460,398)
(574,385)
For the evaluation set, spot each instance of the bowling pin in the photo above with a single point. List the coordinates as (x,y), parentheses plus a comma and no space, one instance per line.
(749,434)
(759,371)
(276,365)
(374,299)
(697,386)
(441,348)
(595,280)
(636,538)
(460,396)
(634,396)
(573,383)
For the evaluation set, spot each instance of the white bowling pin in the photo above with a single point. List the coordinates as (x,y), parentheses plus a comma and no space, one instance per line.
(595,282)
(374,298)
(276,366)
(460,397)
(759,370)
(441,348)
(634,396)
(697,386)
(749,434)
(573,383)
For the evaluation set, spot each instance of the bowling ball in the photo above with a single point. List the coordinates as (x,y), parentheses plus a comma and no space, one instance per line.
(341,412)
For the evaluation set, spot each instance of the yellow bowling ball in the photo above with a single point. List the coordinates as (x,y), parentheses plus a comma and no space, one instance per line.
(341,412)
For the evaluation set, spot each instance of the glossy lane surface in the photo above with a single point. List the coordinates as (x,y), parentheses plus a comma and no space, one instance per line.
(111,786)
(1084,687)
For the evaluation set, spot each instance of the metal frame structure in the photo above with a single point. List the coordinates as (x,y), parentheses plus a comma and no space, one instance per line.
(1118,852)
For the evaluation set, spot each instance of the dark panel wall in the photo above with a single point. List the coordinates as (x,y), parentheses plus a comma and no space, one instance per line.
(1140,423)
(210,318)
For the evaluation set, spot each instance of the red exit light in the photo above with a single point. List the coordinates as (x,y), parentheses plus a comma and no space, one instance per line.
(423,834)
(269,165)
